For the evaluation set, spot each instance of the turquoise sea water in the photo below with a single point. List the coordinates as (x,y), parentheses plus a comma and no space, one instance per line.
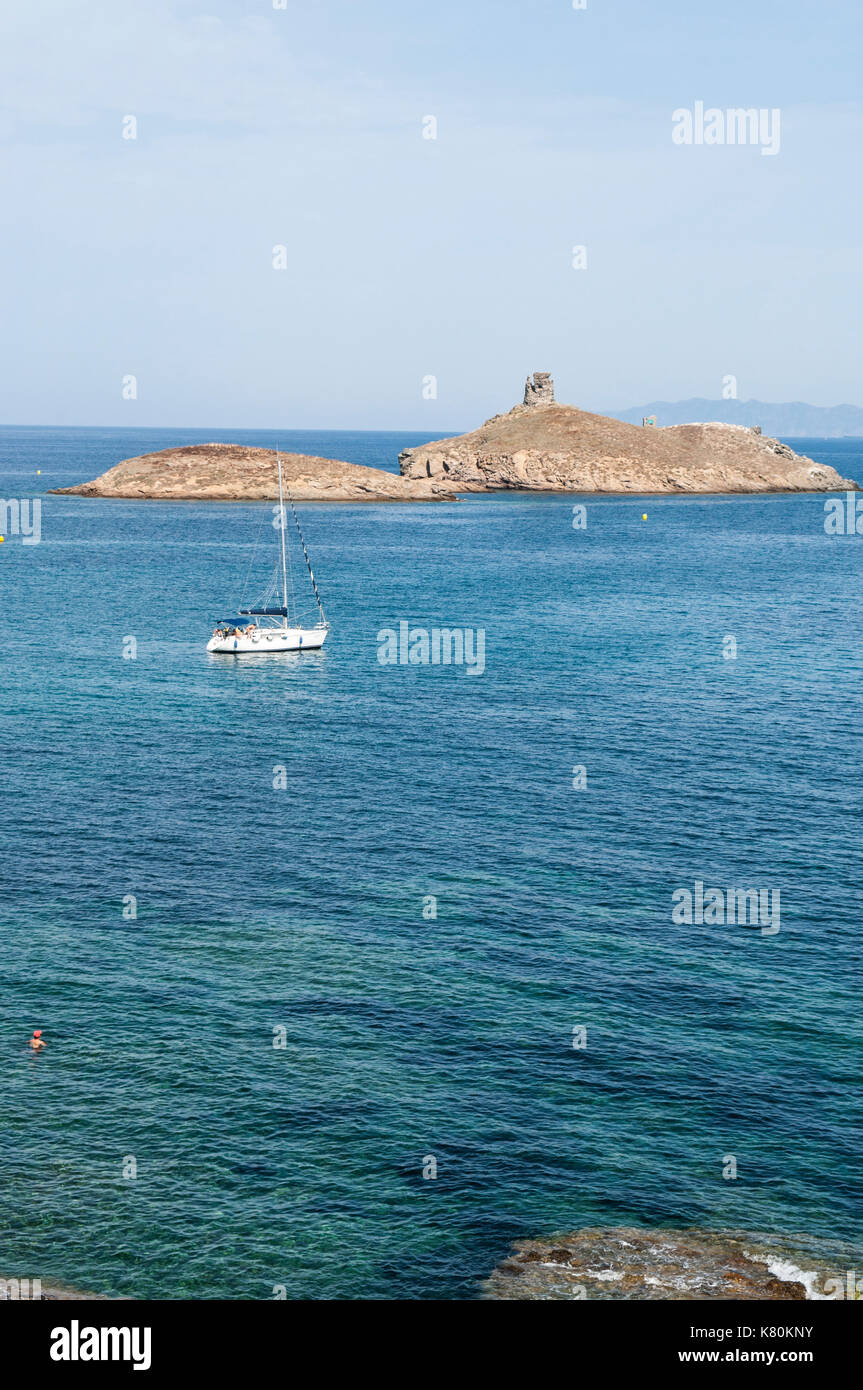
(302,909)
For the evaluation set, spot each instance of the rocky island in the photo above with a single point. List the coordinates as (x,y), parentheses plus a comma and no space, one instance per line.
(538,446)
(234,472)
(541,445)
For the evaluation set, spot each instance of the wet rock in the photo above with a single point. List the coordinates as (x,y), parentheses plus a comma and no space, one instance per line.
(630,1262)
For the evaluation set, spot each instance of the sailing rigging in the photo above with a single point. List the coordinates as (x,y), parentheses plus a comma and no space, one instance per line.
(275,627)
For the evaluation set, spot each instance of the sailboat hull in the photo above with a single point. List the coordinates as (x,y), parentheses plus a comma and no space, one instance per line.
(270,639)
(275,632)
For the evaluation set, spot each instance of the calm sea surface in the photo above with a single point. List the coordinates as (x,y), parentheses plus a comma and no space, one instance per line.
(410,1038)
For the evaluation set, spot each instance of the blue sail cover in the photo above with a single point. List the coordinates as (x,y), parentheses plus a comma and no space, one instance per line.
(264,612)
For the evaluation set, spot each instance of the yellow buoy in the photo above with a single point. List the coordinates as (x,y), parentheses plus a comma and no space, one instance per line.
(644,516)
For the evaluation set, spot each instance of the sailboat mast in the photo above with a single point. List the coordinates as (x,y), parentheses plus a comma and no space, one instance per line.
(282,529)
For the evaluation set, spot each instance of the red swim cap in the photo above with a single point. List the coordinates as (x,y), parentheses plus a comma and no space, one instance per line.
(37,1032)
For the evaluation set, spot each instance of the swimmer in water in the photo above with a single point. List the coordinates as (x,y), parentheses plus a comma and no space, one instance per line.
(36,1041)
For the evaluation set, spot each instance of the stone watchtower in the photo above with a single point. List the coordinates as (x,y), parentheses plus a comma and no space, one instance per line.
(540,391)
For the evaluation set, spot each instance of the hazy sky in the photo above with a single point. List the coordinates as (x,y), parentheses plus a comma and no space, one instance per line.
(409,257)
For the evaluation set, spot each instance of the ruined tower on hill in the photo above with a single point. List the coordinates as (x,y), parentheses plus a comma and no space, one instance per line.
(540,391)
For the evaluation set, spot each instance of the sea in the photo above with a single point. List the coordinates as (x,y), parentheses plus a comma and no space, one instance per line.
(353,973)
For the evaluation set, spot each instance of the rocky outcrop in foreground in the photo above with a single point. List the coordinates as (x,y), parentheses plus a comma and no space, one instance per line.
(544,446)
(232,472)
(629,1262)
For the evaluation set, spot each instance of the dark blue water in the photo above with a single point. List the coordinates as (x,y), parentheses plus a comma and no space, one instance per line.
(302,908)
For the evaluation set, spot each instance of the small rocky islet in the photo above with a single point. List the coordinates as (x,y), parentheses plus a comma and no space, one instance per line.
(240,473)
(538,446)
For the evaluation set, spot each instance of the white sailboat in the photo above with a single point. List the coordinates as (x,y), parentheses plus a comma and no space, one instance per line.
(273,627)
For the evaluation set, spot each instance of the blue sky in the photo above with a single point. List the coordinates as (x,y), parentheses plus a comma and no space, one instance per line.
(406,257)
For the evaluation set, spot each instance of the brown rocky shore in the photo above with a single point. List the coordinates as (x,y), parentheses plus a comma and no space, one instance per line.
(541,445)
(630,1262)
(233,472)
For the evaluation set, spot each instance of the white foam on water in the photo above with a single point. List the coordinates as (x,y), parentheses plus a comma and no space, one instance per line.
(790,1273)
(606,1274)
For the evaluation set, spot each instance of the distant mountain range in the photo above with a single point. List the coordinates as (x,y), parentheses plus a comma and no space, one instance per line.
(795,419)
